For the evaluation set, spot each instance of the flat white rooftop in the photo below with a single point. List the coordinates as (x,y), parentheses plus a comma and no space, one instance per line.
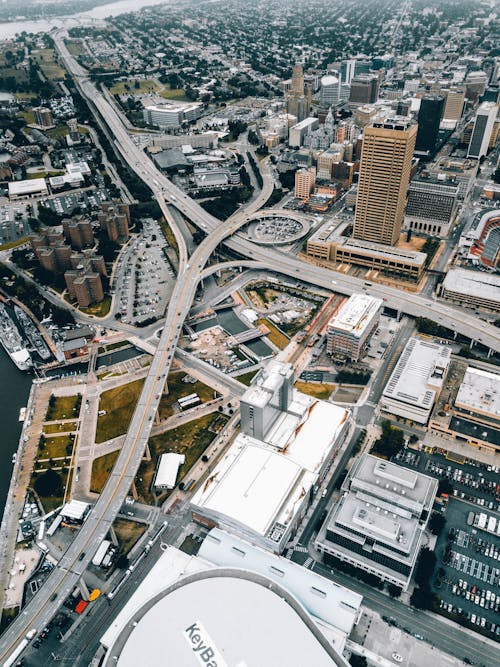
(419,373)
(480,392)
(254,486)
(473,283)
(27,187)
(168,468)
(75,509)
(356,314)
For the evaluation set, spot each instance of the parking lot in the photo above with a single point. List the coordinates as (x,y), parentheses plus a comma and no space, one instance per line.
(468,571)
(475,482)
(467,574)
(144,279)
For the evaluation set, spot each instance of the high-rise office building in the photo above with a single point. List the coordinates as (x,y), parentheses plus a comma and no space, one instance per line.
(330,90)
(298,103)
(483,127)
(429,119)
(364,89)
(455,98)
(384,174)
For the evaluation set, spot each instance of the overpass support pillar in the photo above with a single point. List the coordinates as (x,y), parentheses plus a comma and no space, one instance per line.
(490,352)
(83,589)
(112,536)
(471,344)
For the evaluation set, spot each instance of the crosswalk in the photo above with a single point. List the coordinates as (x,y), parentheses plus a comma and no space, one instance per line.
(308,562)
(300,549)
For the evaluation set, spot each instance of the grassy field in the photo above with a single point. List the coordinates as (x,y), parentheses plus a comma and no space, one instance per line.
(169,235)
(246,378)
(57,133)
(14,244)
(119,404)
(190,439)
(130,86)
(46,58)
(65,427)
(316,390)
(99,309)
(64,407)
(52,502)
(275,335)
(27,116)
(75,48)
(177,389)
(127,533)
(55,447)
(176,94)
(101,467)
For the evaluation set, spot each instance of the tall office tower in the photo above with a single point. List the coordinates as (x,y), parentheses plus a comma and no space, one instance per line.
(348,70)
(330,90)
(495,72)
(429,119)
(384,174)
(43,117)
(364,89)
(403,108)
(483,127)
(298,104)
(455,98)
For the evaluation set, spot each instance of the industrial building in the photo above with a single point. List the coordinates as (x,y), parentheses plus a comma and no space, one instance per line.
(474,289)
(379,521)
(254,591)
(350,329)
(416,380)
(431,207)
(266,480)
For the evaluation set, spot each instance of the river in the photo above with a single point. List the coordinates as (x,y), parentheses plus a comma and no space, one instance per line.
(14,391)
(45,25)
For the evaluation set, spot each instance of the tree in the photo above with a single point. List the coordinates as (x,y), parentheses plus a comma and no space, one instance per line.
(444,486)
(358,661)
(390,442)
(122,562)
(393,590)
(420,598)
(425,567)
(49,484)
(436,523)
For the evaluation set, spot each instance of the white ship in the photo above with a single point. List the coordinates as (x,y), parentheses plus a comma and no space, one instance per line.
(32,334)
(12,341)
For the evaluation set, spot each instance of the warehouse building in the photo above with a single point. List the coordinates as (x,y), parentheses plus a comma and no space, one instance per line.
(350,329)
(32,187)
(379,521)
(416,380)
(168,469)
(265,482)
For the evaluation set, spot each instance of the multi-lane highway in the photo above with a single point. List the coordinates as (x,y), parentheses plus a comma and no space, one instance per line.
(75,560)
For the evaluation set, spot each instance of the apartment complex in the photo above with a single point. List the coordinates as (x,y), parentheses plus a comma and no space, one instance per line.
(114,218)
(416,381)
(379,521)
(78,233)
(384,175)
(349,330)
(305,179)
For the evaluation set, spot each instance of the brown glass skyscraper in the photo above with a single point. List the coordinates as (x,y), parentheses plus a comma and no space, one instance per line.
(384,174)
